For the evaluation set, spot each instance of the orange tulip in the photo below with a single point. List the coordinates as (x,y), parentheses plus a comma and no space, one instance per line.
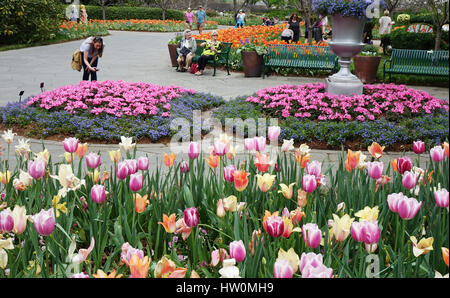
(445,146)
(101,274)
(140,202)
(297,215)
(178,273)
(169,159)
(288,227)
(352,160)
(445,255)
(81,150)
(213,161)
(164,268)
(262,162)
(194,274)
(302,159)
(376,150)
(169,223)
(267,214)
(394,165)
(240,180)
(139,267)
(302,198)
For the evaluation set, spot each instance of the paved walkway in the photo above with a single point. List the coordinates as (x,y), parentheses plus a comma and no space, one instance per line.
(131,56)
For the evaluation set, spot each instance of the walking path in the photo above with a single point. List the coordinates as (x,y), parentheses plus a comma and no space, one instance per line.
(133,57)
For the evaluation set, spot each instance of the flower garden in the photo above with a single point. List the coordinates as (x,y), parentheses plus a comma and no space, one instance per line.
(149,25)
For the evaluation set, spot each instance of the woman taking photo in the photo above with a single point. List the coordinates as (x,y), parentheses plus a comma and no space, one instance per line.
(210,51)
(91,49)
(294,25)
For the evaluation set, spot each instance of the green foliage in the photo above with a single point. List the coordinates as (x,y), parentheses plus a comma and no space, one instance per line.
(128,13)
(403,18)
(28,21)
(281,14)
(251,47)
(401,39)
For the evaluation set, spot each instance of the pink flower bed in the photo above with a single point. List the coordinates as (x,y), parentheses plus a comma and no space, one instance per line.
(115,98)
(311,101)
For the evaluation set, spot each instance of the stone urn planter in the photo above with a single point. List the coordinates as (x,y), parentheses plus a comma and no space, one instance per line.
(173,54)
(252,63)
(366,68)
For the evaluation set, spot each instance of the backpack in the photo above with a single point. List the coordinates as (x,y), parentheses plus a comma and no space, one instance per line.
(76,63)
(194,68)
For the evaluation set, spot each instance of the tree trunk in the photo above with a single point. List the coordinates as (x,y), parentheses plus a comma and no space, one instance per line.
(437,42)
(164,14)
(103,11)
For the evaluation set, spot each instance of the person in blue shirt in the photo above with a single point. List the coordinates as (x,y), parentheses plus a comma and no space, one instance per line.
(201,18)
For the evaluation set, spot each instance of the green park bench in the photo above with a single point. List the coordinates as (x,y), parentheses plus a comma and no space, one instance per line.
(417,62)
(223,58)
(299,56)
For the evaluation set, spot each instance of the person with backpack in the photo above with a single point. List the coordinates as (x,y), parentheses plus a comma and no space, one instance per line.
(91,50)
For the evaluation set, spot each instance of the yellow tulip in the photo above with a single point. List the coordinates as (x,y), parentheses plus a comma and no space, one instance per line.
(164,267)
(5,177)
(114,155)
(424,246)
(341,227)
(140,202)
(291,256)
(368,214)
(230,203)
(287,191)
(265,181)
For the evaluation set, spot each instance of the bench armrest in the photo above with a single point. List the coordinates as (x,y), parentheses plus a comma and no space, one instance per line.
(387,61)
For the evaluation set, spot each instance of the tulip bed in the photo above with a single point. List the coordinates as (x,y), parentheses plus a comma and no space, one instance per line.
(387,113)
(73,30)
(106,110)
(267,215)
(149,25)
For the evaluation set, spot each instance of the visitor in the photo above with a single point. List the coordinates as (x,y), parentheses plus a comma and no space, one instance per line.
(367,32)
(240,19)
(91,49)
(385,23)
(317,30)
(189,18)
(201,19)
(84,16)
(325,26)
(74,15)
(287,35)
(186,51)
(211,49)
(294,25)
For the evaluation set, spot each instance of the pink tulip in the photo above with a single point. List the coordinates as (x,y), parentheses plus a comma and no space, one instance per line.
(409,180)
(404,164)
(310,260)
(93,160)
(228,173)
(70,145)
(221,148)
(237,251)
(136,182)
(128,251)
(273,132)
(393,201)
(274,226)
(375,169)
(309,183)
(184,167)
(98,193)
(122,170)
(44,222)
(194,150)
(218,255)
(80,275)
(437,153)
(132,166)
(285,213)
(311,235)
(36,169)
(143,163)
(191,217)
(441,197)
(321,271)
(260,143)
(314,168)
(6,221)
(418,147)
(282,269)
(370,232)
(249,144)
(356,231)
(408,208)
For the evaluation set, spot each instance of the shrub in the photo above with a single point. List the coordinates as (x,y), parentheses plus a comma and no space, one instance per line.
(403,18)
(127,13)
(401,39)
(28,21)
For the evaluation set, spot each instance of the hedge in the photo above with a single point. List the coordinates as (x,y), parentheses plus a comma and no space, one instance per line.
(401,39)
(127,13)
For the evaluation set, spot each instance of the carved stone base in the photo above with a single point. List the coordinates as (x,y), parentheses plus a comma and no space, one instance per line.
(344,86)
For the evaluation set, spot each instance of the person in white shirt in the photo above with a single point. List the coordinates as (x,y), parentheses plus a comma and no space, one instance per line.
(91,49)
(287,35)
(74,15)
(385,23)
(187,43)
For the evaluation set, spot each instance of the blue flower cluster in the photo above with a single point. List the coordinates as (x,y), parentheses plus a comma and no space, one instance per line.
(347,8)
(103,127)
